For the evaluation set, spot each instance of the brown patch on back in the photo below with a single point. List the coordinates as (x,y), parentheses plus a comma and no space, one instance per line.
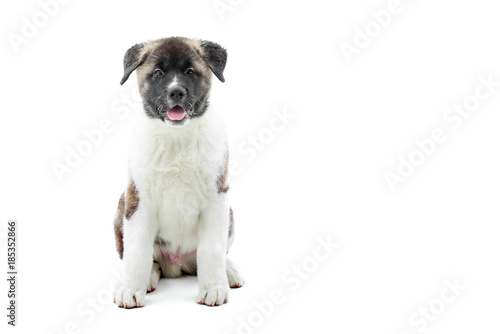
(131,200)
(119,225)
(222,184)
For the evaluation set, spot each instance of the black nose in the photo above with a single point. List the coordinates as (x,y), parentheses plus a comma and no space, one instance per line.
(177,94)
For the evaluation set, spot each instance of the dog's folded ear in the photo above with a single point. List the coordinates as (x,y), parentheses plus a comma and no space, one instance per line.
(215,56)
(133,59)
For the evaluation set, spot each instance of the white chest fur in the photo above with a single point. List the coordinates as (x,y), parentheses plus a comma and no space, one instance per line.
(175,171)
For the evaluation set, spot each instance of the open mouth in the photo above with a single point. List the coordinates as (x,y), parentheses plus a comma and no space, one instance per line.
(177,113)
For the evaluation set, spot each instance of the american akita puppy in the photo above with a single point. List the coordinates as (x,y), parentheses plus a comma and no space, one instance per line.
(174,216)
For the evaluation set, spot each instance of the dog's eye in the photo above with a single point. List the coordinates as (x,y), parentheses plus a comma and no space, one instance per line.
(189,71)
(157,73)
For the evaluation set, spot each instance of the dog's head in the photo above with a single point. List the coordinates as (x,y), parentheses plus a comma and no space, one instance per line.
(174,76)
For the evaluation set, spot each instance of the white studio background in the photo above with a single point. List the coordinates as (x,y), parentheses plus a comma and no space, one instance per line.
(421,256)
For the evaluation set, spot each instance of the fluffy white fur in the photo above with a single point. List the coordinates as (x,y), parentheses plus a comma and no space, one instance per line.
(175,171)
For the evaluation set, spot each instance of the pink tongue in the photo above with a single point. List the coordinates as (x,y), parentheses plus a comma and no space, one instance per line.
(176,113)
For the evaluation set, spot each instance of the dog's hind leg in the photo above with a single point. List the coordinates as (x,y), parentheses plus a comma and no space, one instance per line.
(155,277)
(234,277)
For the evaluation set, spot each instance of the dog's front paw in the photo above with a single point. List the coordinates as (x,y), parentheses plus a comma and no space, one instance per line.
(129,297)
(213,295)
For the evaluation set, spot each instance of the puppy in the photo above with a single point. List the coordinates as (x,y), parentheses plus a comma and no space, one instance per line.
(174,217)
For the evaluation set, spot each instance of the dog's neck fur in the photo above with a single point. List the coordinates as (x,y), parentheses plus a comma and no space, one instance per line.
(201,140)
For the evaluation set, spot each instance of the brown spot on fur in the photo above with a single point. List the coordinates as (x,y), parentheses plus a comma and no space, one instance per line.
(131,200)
(119,225)
(174,48)
(127,206)
(222,184)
